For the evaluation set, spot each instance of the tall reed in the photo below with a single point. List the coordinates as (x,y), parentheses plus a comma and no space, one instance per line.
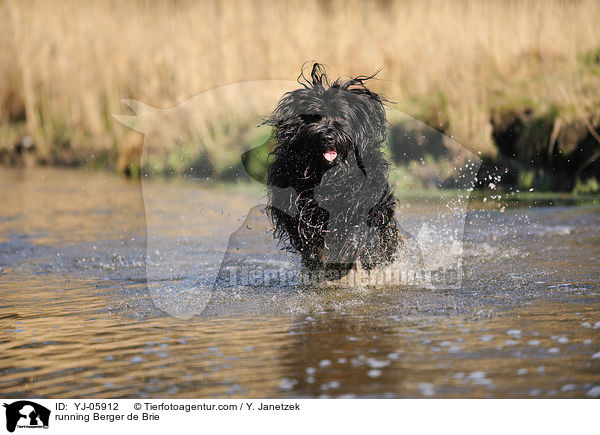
(65,64)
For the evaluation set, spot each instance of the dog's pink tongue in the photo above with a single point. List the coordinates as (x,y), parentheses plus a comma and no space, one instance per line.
(330,155)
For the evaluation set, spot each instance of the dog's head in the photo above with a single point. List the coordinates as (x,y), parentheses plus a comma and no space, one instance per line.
(325,124)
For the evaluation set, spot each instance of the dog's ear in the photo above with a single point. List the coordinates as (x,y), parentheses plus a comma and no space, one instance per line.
(318,75)
(256,161)
(359,161)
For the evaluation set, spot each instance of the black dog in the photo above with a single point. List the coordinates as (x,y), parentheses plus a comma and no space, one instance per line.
(329,195)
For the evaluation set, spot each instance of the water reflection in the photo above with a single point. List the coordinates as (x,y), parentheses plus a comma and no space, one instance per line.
(78,321)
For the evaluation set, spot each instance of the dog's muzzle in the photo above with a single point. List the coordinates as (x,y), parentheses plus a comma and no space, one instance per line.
(330,153)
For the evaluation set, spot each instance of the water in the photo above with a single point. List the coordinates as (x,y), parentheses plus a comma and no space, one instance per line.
(79,319)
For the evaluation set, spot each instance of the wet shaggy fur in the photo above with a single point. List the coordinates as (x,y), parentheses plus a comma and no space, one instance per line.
(329,196)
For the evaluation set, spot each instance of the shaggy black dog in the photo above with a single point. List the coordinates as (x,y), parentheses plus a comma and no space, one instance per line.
(329,195)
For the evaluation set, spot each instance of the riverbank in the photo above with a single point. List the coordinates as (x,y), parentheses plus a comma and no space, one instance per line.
(496,77)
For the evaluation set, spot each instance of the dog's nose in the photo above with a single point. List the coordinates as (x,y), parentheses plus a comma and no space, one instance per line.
(328,138)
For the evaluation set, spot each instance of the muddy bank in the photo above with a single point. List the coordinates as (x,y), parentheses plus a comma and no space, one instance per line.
(542,151)
(533,150)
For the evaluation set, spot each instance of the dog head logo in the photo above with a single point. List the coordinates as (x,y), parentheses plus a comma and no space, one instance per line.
(26,414)
(328,169)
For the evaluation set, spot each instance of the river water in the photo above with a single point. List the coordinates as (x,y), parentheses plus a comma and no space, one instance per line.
(84,312)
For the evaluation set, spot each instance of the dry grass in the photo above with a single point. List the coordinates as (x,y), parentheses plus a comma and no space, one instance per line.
(65,63)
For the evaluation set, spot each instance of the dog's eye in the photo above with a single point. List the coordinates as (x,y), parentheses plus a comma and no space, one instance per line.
(310,118)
